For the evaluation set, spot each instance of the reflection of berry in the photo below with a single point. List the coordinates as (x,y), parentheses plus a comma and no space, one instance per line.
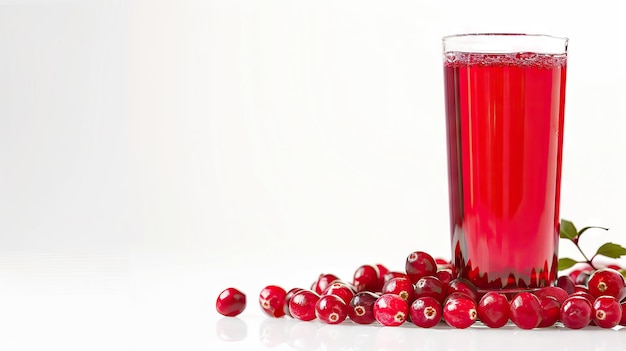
(493,309)
(230,302)
(575,312)
(525,310)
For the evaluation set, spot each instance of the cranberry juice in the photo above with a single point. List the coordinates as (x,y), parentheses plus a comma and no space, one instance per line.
(504,117)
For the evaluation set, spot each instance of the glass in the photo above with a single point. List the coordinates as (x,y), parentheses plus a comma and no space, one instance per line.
(505,96)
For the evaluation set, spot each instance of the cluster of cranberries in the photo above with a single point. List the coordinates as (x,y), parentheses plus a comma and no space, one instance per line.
(428,293)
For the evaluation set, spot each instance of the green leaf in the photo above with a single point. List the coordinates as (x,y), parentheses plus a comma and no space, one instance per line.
(580,232)
(623,271)
(611,250)
(568,230)
(565,263)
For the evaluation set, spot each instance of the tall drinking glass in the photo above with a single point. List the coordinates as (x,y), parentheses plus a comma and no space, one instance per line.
(505,96)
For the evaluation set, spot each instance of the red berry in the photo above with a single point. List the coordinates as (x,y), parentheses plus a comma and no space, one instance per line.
(401,287)
(623,320)
(272,300)
(302,305)
(586,295)
(493,309)
(331,309)
(575,312)
(230,302)
(606,312)
(394,274)
(391,310)
(464,286)
(459,311)
(361,309)
(550,311)
(419,264)
(342,290)
(525,310)
(605,281)
(366,278)
(288,297)
(425,312)
(566,283)
(431,286)
(322,282)
(559,294)
(382,270)
(445,276)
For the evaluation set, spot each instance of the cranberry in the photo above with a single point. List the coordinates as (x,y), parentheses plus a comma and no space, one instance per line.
(272,300)
(366,278)
(575,312)
(401,287)
(579,269)
(391,310)
(425,312)
(606,312)
(382,270)
(322,282)
(419,264)
(605,281)
(464,286)
(230,302)
(302,305)
(580,288)
(566,283)
(459,310)
(525,310)
(331,309)
(550,311)
(586,295)
(341,290)
(582,278)
(431,286)
(445,276)
(288,297)
(394,274)
(361,309)
(553,291)
(493,309)
(623,320)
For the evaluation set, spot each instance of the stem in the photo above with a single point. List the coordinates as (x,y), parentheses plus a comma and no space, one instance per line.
(585,256)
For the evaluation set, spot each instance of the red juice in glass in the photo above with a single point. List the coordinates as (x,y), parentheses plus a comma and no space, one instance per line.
(504,116)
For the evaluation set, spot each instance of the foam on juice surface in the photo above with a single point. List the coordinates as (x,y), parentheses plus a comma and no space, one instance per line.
(531,59)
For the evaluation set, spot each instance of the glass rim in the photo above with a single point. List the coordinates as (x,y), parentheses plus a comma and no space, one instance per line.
(505,43)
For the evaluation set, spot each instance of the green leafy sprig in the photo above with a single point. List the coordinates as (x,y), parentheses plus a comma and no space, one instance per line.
(569,232)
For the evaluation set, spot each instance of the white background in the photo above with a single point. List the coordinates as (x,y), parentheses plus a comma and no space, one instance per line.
(153,153)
